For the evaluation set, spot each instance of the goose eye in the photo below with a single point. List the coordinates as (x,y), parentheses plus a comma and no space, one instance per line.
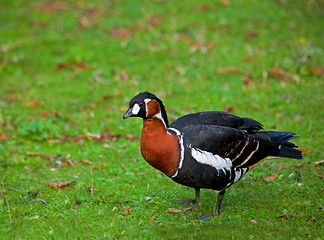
(141,104)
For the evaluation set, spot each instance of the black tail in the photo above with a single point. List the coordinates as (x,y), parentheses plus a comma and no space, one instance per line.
(287,149)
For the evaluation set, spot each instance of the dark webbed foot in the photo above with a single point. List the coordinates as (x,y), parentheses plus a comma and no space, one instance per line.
(205,217)
(186,202)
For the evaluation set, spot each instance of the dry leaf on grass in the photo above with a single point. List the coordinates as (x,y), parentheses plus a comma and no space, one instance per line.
(60,185)
(286,216)
(272,177)
(175,210)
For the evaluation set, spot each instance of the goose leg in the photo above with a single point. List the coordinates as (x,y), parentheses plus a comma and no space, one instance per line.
(186,202)
(220,197)
(219,203)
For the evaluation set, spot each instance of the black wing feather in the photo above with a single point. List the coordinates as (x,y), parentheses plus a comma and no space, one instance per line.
(217,118)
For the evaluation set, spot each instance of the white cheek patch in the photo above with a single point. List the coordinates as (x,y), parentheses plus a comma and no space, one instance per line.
(136,109)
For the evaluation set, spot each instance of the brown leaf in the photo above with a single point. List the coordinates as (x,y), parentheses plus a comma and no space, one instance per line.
(247,79)
(152,218)
(280,74)
(79,65)
(4,136)
(121,32)
(232,69)
(86,161)
(280,166)
(60,184)
(272,177)
(297,166)
(44,113)
(228,109)
(69,162)
(286,216)
(155,20)
(248,59)
(318,174)
(201,46)
(53,6)
(202,8)
(32,104)
(131,137)
(175,210)
(54,140)
(32,154)
(123,166)
(253,221)
(92,190)
(317,70)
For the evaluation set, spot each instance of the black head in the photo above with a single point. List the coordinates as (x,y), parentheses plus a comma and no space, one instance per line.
(144,105)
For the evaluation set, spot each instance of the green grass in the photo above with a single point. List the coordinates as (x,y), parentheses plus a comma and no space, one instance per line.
(70,68)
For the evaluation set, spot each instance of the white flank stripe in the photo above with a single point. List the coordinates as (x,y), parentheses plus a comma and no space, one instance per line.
(208,158)
(181,150)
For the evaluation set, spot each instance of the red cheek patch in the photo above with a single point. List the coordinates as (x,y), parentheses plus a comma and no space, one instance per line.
(153,108)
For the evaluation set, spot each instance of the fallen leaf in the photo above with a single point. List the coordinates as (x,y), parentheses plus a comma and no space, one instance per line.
(250,35)
(318,174)
(175,210)
(155,20)
(248,59)
(60,185)
(92,190)
(152,218)
(280,74)
(286,216)
(48,157)
(272,177)
(231,69)
(297,166)
(228,109)
(54,140)
(203,47)
(128,210)
(69,162)
(32,104)
(317,70)
(79,65)
(253,221)
(120,32)
(4,136)
(318,162)
(131,137)
(86,161)
(202,8)
(280,166)
(33,218)
(53,6)
(247,79)
(123,166)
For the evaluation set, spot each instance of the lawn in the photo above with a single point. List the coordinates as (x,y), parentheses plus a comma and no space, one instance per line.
(70,166)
